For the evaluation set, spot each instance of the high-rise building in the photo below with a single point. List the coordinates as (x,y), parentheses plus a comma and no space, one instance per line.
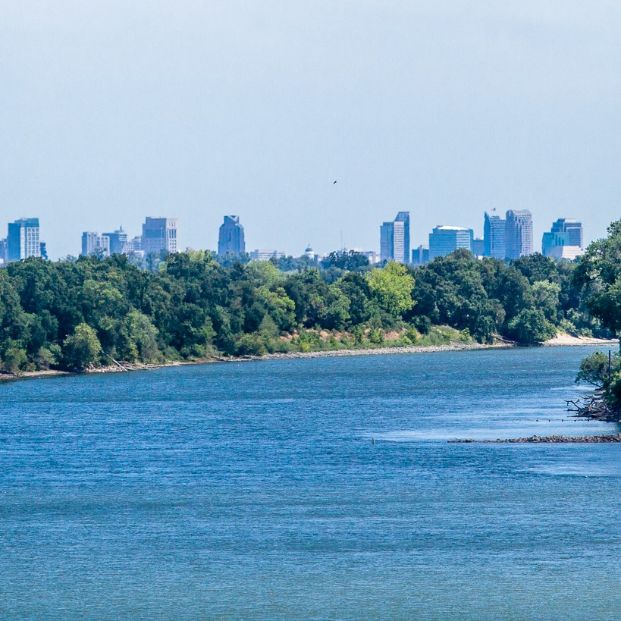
(564,240)
(94,244)
(135,244)
(117,241)
(23,239)
(159,235)
(3,250)
(518,234)
(444,240)
(420,255)
(386,241)
(478,247)
(395,239)
(494,236)
(231,239)
(402,253)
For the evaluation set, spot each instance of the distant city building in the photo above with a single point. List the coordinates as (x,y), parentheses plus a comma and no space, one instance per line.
(494,236)
(135,244)
(265,255)
(564,241)
(444,240)
(3,250)
(395,239)
(94,244)
(43,250)
(231,239)
(117,241)
(159,235)
(518,234)
(478,247)
(371,255)
(420,255)
(23,239)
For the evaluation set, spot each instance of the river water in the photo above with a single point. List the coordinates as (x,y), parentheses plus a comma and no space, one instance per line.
(309,489)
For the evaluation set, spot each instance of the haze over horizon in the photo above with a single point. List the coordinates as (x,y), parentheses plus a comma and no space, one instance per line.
(113,112)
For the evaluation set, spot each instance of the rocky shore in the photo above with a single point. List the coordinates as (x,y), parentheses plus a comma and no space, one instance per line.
(607,439)
(326,353)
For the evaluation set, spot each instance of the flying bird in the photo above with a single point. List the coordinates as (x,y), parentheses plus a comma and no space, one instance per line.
(334,182)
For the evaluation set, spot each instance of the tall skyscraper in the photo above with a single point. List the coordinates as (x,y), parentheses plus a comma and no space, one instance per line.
(403,252)
(23,239)
(444,240)
(94,244)
(158,235)
(395,239)
(518,234)
(564,241)
(3,250)
(494,236)
(231,239)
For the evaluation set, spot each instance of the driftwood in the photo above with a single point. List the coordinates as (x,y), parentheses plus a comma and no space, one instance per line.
(594,407)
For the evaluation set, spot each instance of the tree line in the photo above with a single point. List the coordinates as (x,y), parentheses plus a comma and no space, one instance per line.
(76,314)
(598,275)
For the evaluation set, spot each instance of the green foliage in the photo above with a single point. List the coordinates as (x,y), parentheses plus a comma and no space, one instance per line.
(82,349)
(14,360)
(530,326)
(350,261)
(599,277)
(596,369)
(546,298)
(392,287)
(142,336)
(81,313)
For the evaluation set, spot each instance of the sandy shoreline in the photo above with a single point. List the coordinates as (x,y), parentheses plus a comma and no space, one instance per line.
(567,340)
(559,341)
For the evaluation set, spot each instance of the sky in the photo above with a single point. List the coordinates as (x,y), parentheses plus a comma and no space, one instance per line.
(111,111)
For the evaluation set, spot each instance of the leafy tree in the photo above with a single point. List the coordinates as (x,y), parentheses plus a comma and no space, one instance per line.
(350,261)
(14,359)
(546,298)
(82,349)
(142,336)
(392,287)
(530,326)
(597,368)
(599,277)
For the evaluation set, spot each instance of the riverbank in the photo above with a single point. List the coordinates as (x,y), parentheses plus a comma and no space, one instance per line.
(125,367)
(563,340)
(567,340)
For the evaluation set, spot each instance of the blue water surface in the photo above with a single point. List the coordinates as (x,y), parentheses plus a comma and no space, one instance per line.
(309,489)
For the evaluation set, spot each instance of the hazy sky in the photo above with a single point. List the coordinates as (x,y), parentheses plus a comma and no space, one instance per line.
(113,110)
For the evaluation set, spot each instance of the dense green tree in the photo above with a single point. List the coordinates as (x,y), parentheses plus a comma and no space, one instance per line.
(346,260)
(392,287)
(530,326)
(82,349)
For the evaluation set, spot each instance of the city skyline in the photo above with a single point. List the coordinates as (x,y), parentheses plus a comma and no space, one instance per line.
(418,235)
(508,238)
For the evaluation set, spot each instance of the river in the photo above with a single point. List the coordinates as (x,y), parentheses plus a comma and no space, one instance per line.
(309,489)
